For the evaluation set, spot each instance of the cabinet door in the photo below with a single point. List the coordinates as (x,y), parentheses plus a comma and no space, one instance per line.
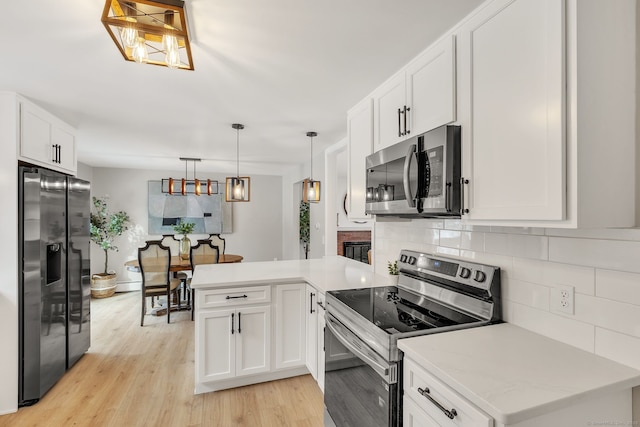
(311,311)
(360,131)
(431,88)
(414,416)
(321,325)
(289,338)
(512,87)
(253,340)
(35,134)
(389,115)
(215,345)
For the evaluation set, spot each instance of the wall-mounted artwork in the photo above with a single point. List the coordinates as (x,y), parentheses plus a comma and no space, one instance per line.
(211,214)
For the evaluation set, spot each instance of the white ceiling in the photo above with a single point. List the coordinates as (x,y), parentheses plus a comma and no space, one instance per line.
(281,67)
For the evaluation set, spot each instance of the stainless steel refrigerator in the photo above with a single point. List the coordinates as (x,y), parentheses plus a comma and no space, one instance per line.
(54,281)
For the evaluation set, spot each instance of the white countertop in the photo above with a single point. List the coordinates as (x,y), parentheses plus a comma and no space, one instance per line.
(325,274)
(514,374)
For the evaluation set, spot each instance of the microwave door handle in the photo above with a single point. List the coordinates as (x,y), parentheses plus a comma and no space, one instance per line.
(405,178)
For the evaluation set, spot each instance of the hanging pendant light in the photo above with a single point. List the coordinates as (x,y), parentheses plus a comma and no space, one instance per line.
(238,188)
(311,188)
(189,186)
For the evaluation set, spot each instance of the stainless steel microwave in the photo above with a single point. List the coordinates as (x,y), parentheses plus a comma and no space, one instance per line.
(419,177)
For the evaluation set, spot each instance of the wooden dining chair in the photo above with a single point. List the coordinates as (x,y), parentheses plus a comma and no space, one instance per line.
(173,244)
(154,260)
(204,252)
(218,241)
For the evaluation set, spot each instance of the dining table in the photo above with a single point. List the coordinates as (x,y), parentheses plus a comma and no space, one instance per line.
(178,264)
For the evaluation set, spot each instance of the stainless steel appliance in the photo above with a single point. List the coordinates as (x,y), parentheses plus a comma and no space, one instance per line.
(418,177)
(54,280)
(363,366)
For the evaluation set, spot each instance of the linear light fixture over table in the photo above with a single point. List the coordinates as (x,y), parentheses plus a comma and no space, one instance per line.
(311,188)
(238,188)
(152,32)
(188,186)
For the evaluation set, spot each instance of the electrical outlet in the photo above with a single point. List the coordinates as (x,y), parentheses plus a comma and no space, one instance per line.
(562,299)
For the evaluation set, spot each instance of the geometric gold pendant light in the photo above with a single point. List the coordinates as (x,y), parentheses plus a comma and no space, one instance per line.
(150,31)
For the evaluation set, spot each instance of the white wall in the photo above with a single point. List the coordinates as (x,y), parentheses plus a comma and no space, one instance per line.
(602,265)
(8,256)
(257,225)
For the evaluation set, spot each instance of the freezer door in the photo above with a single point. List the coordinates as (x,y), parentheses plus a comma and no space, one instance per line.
(78,270)
(43,303)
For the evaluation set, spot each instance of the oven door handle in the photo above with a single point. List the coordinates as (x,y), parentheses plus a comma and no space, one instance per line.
(377,367)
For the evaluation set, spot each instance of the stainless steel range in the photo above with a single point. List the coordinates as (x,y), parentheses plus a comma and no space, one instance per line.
(362,362)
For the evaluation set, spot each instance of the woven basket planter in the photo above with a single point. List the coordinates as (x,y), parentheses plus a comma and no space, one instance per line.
(103,285)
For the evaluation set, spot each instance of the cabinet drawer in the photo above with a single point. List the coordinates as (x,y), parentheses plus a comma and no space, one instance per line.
(466,414)
(231,297)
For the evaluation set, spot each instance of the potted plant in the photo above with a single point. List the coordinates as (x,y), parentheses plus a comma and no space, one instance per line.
(184,228)
(105,227)
(393,270)
(305,231)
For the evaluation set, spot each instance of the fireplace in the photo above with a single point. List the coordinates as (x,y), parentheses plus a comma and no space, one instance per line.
(357,250)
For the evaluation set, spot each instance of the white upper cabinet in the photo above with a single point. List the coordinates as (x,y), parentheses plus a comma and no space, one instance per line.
(514,139)
(419,98)
(45,140)
(360,133)
(546,134)
(431,87)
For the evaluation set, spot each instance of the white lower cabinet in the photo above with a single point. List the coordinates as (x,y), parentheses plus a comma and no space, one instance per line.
(233,342)
(290,330)
(311,314)
(320,340)
(429,402)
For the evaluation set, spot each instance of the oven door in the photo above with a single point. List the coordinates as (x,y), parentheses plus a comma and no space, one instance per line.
(392,179)
(361,388)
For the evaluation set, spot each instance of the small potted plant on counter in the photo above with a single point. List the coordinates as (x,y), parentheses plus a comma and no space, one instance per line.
(393,271)
(104,228)
(184,228)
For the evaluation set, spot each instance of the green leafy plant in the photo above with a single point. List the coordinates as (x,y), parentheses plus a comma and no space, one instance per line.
(184,227)
(305,231)
(392,267)
(106,226)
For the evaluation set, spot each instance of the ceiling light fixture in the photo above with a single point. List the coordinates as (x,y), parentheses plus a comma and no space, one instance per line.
(311,188)
(150,31)
(238,188)
(189,186)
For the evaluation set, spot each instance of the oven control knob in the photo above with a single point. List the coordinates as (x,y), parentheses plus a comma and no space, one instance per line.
(480,276)
(465,273)
(403,258)
(411,260)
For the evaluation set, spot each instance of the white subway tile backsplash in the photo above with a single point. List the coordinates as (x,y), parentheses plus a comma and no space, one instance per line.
(608,254)
(530,294)
(608,314)
(569,331)
(619,347)
(619,286)
(450,239)
(523,246)
(602,265)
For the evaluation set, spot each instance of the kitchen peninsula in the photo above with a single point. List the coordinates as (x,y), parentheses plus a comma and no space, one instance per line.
(262,321)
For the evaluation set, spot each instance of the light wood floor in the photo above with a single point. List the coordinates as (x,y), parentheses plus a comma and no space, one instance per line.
(135,376)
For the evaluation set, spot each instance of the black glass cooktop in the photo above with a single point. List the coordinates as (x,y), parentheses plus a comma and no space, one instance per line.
(394,310)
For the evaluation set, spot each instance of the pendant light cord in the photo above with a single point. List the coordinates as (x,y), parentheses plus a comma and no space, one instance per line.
(311,159)
(238,153)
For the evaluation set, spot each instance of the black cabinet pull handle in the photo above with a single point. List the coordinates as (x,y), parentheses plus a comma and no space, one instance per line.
(241,296)
(406,111)
(239,322)
(463,182)
(311,295)
(399,121)
(321,305)
(54,152)
(450,414)
(232,318)
(59,153)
